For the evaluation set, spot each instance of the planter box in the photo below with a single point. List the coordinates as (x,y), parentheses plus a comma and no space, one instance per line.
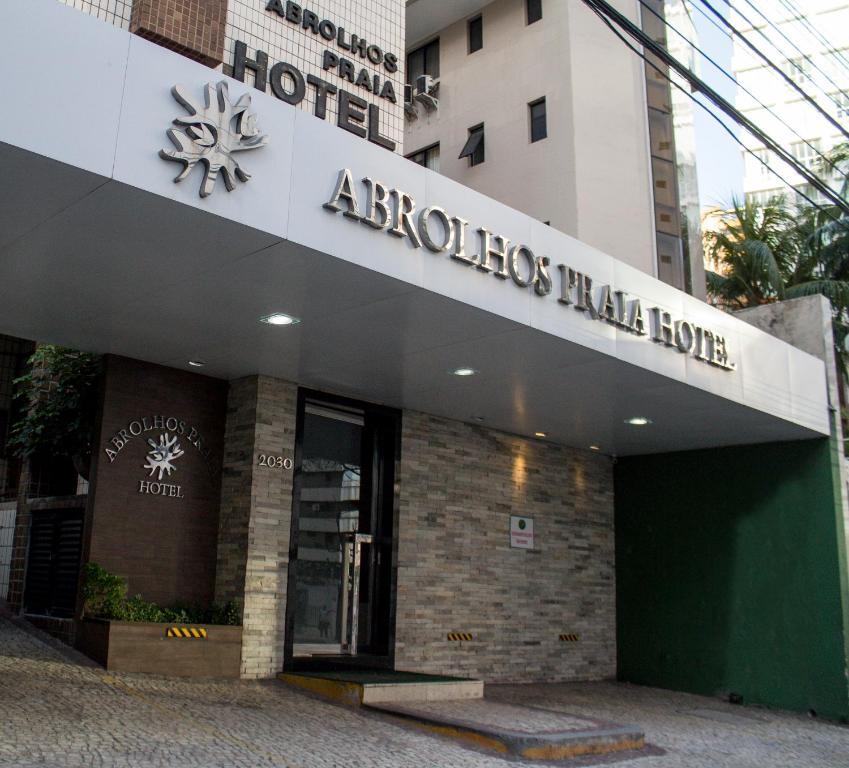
(124,646)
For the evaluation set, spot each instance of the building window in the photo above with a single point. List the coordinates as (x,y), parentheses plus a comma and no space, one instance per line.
(427,157)
(475,34)
(539,128)
(473,148)
(423,61)
(807,153)
(760,161)
(842,100)
(798,70)
(534,10)
(765,196)
(805,193)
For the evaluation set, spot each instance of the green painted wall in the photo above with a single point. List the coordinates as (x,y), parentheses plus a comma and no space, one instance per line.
(728,570)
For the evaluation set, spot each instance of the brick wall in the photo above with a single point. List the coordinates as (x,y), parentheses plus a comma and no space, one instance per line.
(456,570)
(163,545)
(194,28)
(256,514)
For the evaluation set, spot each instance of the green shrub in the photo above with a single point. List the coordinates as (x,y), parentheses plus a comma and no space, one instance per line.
(104,593)
(105,597)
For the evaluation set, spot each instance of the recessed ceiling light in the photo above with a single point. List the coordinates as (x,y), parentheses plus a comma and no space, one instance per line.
(197,363)
(638,421)
(464,371)
(279,318)
(594,448)
(540,434)
(480,418)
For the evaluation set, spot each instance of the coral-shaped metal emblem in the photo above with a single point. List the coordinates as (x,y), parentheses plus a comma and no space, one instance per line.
(162,454)
(212,134)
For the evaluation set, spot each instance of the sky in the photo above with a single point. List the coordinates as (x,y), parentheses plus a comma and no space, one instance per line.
(719,160)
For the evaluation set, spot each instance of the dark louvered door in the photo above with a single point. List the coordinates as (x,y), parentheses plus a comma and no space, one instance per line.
(53,565)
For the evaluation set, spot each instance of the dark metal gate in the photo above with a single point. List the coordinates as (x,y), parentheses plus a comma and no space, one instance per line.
(53,564)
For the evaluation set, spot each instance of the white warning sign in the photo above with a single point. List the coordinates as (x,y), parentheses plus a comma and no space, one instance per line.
(521,532)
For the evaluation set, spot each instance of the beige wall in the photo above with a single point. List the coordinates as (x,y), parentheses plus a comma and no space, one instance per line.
(590,178)
(459,485)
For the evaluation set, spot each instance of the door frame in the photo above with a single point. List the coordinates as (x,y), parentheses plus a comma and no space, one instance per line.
(389,416)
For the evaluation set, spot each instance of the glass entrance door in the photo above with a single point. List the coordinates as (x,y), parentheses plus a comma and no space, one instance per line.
(340,575)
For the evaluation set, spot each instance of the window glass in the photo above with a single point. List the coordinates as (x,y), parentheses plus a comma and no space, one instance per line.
(534,10)
(423,61)
(475,34)
(474,146)
(539,128)
(807,153)
(429,157)
(798,70)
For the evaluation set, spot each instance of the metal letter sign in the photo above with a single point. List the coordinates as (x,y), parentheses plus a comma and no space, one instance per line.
(394,211)
(211,135)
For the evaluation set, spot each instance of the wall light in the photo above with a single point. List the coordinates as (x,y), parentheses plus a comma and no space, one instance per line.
(197,363)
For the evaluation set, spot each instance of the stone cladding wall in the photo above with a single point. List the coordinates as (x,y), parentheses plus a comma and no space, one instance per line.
(459,485)
(256,513)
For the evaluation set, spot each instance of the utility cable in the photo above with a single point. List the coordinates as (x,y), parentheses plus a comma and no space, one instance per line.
(798,50)
(742,87)
(797,15)
(727,128)
(712,21)
(604,8)
(766,59)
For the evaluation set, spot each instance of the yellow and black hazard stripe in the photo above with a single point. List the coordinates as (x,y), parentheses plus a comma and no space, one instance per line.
(190,632)
(569,638)
(460,636)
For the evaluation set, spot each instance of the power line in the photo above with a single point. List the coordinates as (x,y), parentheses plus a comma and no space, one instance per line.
(740,85)
(774,66)
(712,21)
(603,8)
(817,35)
(798,50)
(797,15)
(707,109)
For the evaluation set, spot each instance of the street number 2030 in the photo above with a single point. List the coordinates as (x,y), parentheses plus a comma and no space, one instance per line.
(275,462)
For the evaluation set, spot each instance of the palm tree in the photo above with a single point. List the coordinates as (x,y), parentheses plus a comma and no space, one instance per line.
(755,248)
(769,252)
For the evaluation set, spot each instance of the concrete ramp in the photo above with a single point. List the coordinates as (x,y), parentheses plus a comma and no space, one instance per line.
(455,708)
(523,732)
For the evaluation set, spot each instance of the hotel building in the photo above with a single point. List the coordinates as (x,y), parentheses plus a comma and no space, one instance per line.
(382,404)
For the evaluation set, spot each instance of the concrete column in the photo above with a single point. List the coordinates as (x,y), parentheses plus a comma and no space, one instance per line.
(256,514)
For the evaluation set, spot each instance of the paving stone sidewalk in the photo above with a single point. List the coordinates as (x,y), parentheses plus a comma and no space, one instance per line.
(55,711)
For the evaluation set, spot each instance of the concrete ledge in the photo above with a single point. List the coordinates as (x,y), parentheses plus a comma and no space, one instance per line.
(345,689)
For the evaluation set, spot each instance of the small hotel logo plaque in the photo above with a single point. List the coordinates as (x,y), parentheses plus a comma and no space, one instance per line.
(170,434)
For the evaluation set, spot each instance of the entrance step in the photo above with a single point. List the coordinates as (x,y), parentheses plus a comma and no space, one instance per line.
(366,687)
(523,732)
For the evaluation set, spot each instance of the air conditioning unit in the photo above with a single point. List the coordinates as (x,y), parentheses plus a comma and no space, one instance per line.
(424,90)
